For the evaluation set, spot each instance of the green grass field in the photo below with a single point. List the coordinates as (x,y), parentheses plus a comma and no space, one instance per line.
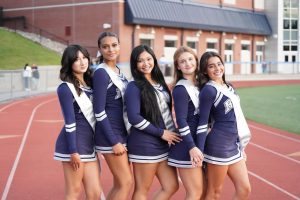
(16,50)
(276,106)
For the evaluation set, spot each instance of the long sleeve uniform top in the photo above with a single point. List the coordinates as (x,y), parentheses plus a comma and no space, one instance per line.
(108,107)
(219,108)
(72,114)
(186,118)
(133,105)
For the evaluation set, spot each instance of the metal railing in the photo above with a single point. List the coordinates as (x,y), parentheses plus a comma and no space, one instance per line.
(14,83)
(21,24)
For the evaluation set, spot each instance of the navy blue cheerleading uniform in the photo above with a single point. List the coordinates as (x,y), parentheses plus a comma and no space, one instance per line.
(108,108)
(222,143)
(145,144)
(77,135)
(187,118)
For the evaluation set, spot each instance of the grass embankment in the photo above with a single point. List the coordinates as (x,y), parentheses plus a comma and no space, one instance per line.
(276,106)
(16,50)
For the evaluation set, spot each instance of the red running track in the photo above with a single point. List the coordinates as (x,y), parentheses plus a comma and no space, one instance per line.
(29,128)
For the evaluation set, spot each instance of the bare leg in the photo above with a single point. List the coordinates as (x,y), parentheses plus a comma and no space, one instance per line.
(143,176)
(215,180)
(120,168)
(167,177)
(192,179)
(73,180)
(91,180)
(238,173)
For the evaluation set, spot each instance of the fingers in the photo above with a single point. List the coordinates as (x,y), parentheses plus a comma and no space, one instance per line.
(75,165)
(196,162)
(121,151)
(173,138)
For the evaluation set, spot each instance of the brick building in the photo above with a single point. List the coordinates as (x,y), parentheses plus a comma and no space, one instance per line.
(239,30)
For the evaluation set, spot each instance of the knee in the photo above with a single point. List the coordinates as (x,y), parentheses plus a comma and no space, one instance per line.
(244,191)
(127,182)
(213,193)
(172,187)
(93,195)
(73,192)
(193,195)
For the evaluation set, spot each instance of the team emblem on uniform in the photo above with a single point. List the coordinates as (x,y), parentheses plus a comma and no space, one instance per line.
(228,105)
(118,94)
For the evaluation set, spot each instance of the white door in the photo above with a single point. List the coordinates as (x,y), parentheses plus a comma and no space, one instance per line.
(245,62)
(258,65)
(228,61)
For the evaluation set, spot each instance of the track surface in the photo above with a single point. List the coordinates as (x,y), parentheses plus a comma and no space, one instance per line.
(29,128)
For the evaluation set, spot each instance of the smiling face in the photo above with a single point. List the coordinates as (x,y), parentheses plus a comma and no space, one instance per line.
(187,64)
(109,48)
(80,65)
(145,64)
(215,69)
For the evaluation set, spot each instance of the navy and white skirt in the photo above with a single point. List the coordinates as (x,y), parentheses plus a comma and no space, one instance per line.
(179,156)
(222,148)
(103,145)
(146,148)
(85,143)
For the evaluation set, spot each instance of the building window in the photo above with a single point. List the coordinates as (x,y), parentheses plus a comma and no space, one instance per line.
(211,45)
(286,24)
(68,31)
(286,47)
(260,48)
(229,47)
(259,4)
(290,25)
(294,24)
(294,48)
(147,42)
(286,58)
(245,47)
(170,43)
(191,44)
(229,1)
(294,35)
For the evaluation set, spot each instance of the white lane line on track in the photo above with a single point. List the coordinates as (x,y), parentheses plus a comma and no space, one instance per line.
(11,104)
(274,186)
(274,133)
(274,152)
(16,162)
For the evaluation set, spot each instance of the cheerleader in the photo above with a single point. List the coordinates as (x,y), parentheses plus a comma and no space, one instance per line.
(186,155)
(228,134)
(75,143)
(148,103)
(111,134)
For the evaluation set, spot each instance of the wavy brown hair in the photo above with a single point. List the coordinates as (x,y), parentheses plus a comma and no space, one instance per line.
(69,56)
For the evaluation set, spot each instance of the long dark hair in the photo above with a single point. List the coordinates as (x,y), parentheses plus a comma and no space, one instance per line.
(203,77)
(103,35)
(178,73)
(149,106)
(66,72)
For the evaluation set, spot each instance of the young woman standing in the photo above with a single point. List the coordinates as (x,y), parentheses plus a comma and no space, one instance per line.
(75,143)
(186,155)
(111,134)
(148,104)
(229,133)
